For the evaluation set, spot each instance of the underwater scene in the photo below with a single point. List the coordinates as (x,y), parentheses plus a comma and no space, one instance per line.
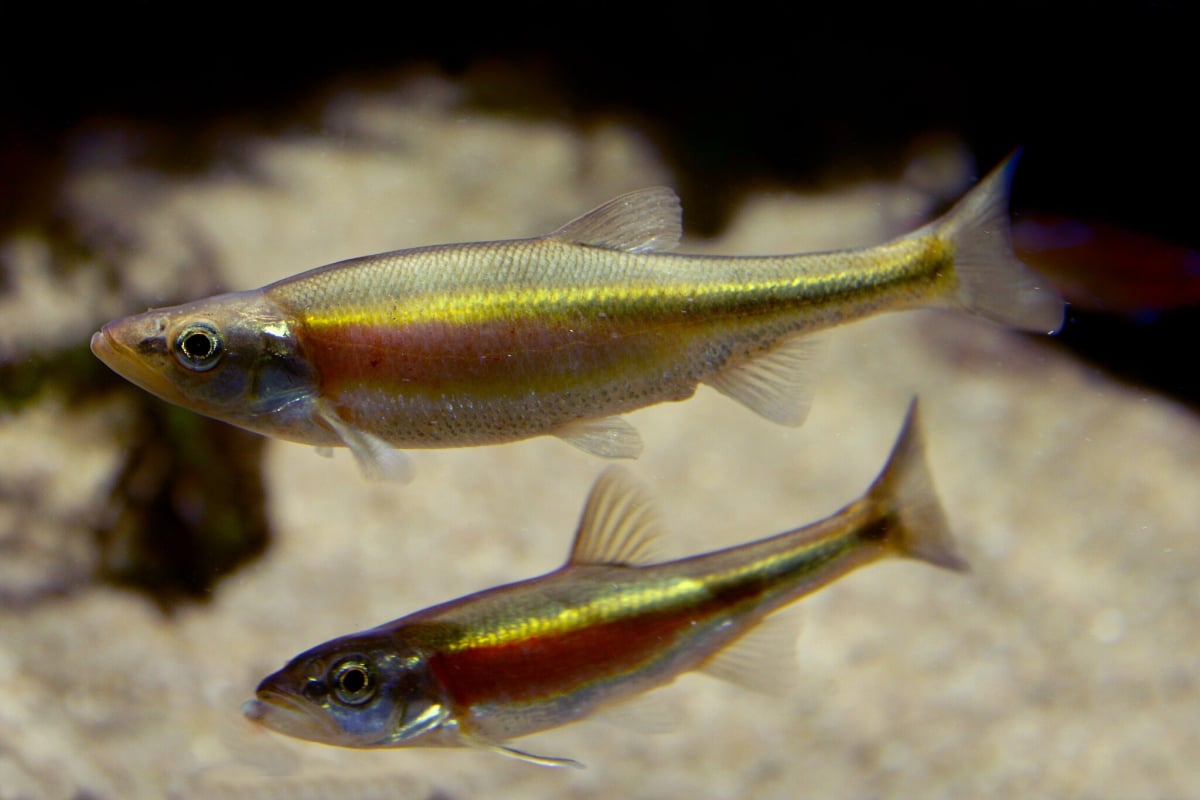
(952,553)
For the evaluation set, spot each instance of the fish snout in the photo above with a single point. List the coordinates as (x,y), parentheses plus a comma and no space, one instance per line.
(114,342)
(101,345)
(135,348)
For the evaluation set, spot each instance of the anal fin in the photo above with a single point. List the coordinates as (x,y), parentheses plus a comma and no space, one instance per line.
(764,659)
(776,384)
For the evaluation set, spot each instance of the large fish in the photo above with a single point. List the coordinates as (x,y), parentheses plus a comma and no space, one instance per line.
(477,344)
(606,627)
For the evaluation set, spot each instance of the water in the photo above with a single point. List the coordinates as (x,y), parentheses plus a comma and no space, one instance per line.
(1055,668)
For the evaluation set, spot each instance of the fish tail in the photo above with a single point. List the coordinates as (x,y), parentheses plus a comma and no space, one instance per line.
(991,281)
(904,497)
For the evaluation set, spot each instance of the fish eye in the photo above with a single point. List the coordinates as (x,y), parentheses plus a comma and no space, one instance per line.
(199,346)
(353,682)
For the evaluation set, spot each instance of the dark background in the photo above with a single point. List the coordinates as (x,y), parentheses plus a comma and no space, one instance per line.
(1103,100)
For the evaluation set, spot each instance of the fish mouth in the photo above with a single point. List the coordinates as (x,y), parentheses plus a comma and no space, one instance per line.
(285,714)
(104,348)
(108,345)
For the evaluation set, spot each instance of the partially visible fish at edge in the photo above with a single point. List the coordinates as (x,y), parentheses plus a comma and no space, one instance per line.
(604,628)
(492,342)
(1106,268)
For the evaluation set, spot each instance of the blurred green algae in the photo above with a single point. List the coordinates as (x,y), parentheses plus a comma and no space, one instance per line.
(184,503)
(187,507)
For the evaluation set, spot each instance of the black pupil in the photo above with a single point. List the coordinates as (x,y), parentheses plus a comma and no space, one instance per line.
(198,346)
(354,680)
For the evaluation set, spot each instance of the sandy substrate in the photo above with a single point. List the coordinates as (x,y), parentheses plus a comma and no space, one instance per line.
(1063,665)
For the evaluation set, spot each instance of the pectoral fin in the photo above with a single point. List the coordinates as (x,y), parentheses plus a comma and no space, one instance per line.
(377,459)
(520,755)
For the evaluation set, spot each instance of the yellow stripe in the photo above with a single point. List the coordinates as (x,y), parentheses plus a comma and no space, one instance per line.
(631,601)
(490,304)
(619,604)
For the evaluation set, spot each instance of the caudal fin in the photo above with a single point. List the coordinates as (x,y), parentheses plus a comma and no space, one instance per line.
(991,281)
(904,495)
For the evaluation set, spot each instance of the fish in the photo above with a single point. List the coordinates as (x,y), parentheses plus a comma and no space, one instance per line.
(602,630)
(493,342)
(1106,268)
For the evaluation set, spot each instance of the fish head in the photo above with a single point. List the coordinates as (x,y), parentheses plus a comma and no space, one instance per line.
(234,357)
(351,693)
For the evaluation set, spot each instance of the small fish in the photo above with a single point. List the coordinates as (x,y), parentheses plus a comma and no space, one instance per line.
(478,344)
(604,628)
(1110,269)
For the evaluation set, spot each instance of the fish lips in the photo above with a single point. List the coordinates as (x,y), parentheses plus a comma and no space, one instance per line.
(121,345)
(283,713)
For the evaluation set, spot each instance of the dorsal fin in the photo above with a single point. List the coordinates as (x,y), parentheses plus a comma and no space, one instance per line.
(618,525)
(644,221)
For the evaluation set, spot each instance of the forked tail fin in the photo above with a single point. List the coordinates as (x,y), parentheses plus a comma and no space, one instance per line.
(991,281)
(904,495)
